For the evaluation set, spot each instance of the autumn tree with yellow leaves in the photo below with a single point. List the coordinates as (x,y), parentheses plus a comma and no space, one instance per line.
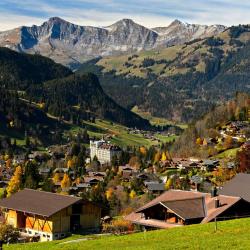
(157,157)
(70,163)
(66,182)
(56,178)
(169,184)
(199,141)
(109,193)
(163,156)
(132,194)
(143,150)
(15,182)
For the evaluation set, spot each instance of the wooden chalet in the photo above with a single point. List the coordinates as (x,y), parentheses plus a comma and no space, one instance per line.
(48,215)
(178,208)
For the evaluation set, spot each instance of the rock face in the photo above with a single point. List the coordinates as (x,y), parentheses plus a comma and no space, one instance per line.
(178,32)
(72,44)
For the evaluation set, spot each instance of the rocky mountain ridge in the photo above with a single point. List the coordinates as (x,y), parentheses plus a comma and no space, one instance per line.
(72,44)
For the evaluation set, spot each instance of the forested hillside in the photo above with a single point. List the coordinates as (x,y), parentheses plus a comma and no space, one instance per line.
(191,142)
(22,121)
(77,98)
(39,99)
(186,80)
(20,70)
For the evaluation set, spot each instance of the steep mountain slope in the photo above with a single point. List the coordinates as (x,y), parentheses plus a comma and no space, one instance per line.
(186,80)
(19,70)
(72,44)
(20,120)
(76,98)
(58,91)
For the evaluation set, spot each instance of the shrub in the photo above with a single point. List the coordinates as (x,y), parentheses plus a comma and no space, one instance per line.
(148,62)
(212,41)
(118,226)
(8,233)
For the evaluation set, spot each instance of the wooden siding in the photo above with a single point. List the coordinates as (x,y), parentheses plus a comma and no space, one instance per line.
(11,218)
(61,220)
(90,217)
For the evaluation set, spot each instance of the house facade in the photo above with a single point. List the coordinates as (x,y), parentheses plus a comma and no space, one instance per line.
(48,215)
(104,151)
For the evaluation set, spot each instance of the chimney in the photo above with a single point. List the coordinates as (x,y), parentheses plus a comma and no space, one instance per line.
(216,202)
(213,192)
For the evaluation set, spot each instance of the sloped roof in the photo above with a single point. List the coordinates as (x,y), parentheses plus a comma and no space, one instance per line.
(225,203)
(172,195)
(38,202)
(239,186)
(155,186)
(187,209)
(188,205)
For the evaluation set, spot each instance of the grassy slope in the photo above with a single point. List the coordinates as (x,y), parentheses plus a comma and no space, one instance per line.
(230,235)
(230,153)
(98,130)
(178,55)
(121,137)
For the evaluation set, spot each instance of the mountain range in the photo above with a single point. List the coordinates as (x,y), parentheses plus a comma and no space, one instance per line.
(180,82)
(177,72)
(72,44)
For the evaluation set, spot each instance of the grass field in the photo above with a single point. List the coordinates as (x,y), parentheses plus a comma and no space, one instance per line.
(167,138)
(230,235)
(169,54)
(230,153)
(100,128)
(119,133)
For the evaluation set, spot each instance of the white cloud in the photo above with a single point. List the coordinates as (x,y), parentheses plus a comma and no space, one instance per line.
(9,21)
(149,13)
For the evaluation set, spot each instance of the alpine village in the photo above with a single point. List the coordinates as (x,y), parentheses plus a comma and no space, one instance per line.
(125,137)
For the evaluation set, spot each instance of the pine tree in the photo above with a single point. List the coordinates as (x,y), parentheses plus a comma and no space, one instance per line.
(31,175)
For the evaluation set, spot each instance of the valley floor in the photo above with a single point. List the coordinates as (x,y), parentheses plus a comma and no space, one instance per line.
(232,234)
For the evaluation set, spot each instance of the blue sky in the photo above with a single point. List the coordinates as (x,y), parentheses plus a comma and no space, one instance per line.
(151,13)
